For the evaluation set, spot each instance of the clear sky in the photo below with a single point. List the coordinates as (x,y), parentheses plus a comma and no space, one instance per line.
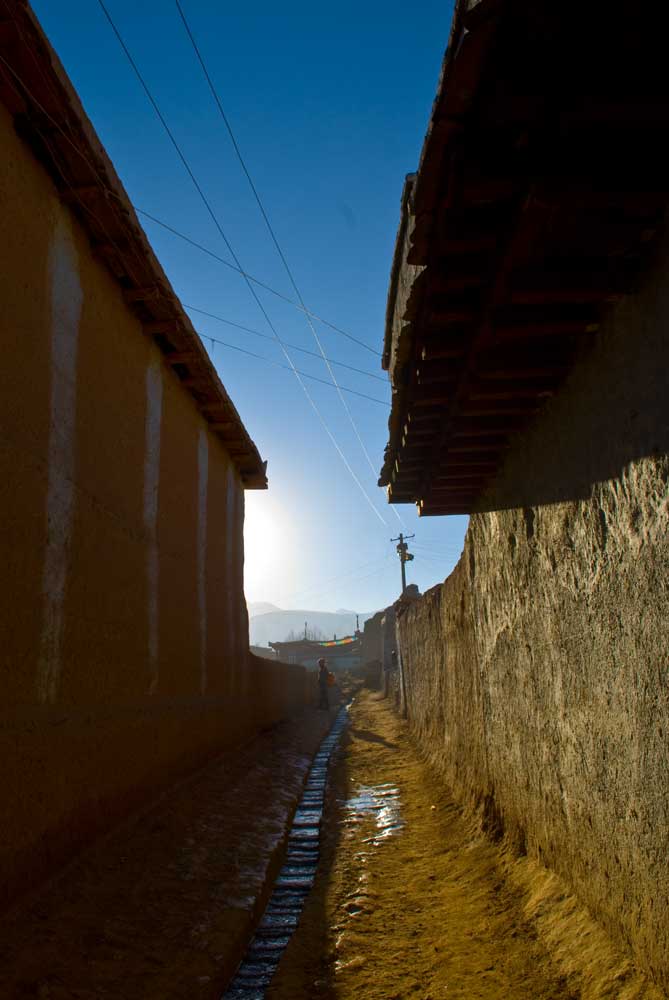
(329,104)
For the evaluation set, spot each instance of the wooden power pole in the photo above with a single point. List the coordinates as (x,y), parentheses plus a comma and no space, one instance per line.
(404,554)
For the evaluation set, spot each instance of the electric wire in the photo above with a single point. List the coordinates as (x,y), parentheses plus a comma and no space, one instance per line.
(317,590)
(266,336)
(104,188)
(82,203)
(338,577)
(277,364)
(225,239)
(256,281)
(220,319)
(276,243)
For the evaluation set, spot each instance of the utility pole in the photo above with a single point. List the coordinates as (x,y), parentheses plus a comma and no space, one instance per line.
(404,554)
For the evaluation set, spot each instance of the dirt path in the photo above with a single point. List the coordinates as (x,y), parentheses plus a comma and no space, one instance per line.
(408,901)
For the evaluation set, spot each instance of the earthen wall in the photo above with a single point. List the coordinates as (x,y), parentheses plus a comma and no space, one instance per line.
(123,628)
(537,675)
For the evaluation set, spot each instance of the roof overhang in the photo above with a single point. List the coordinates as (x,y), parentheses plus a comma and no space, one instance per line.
(48,114)
(541,189)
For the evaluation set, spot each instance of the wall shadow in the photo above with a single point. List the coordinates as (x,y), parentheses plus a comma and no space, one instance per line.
(610,413)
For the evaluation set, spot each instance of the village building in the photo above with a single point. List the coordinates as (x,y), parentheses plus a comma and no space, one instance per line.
(341,654)
(123,464)
(263,651)
(526,343)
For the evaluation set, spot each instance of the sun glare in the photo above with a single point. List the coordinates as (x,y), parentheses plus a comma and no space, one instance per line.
(267,547)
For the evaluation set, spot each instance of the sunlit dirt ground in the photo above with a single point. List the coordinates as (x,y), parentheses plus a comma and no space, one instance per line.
(410,900)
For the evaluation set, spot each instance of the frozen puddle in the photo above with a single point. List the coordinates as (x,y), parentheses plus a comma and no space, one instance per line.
(381,804)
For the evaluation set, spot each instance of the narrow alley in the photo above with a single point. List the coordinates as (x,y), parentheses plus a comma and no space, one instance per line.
(335,501)
(412,900)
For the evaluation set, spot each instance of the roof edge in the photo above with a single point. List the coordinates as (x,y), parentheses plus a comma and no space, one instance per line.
(396,267)
(42,101)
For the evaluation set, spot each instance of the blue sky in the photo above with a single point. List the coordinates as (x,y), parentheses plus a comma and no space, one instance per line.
(329,106)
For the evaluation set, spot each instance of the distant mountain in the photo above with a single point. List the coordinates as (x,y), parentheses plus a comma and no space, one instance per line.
(261,608)
(275,626)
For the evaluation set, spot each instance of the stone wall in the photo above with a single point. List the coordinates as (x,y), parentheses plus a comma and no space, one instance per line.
(123,627)
(537,675)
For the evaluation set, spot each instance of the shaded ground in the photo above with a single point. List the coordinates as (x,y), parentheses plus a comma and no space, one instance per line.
(411,901)
(163,907)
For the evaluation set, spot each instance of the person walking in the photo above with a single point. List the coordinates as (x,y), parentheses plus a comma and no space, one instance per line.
(323,675)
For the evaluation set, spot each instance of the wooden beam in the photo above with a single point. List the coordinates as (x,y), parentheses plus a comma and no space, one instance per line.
(83,192)
(554,371)
(451,316)
(457,491)
(181,357)
(437,351)
(417,430)
(584,294)
(167,326)
(474,448)
(482,468)
(142,294)
(455,280)
(105,249)
(444,510)
(435,402)
(496,431)
(419,417)
(444,483)
(218,407)
(223,426)
(436,371)
(528,331)
(537,393)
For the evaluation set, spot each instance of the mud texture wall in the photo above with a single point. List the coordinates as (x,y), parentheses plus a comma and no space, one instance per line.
(123,628)
(372,639)
(537,676)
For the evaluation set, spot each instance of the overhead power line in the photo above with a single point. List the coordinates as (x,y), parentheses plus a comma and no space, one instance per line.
(215,340)
(159,222)
(326,585)
(275,240)
(277,364)
(225,239)
(293,347)
(256,281)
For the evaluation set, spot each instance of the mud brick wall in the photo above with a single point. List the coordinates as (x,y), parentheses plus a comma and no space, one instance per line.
(537,675)
(123,628)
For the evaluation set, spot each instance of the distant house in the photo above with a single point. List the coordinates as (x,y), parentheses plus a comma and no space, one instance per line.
(341,654)
(263,651)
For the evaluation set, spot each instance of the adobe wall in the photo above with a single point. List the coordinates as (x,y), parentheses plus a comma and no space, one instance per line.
(537,675)
(123,628)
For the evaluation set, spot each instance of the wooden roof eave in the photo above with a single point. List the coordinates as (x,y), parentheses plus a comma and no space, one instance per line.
(443,124)
(50,117)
